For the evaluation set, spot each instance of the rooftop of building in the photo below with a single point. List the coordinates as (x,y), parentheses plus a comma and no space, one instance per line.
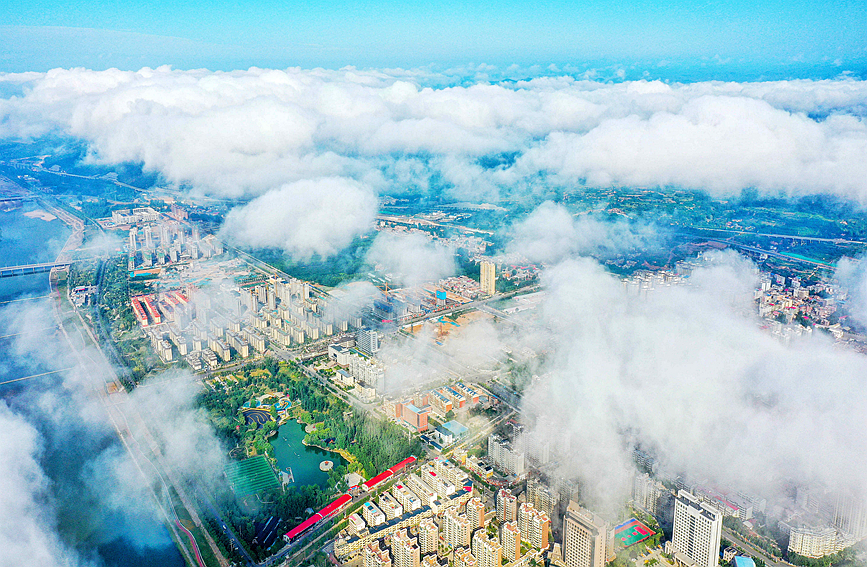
(455,428)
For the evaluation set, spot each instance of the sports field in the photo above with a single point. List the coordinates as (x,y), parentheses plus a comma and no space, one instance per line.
(251,476)
(631,532)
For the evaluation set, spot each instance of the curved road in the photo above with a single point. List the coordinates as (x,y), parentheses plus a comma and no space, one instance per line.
(192,542)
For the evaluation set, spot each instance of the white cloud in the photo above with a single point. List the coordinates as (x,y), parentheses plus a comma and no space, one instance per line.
(27,535)
(688,371)
(246,132)
(719,143)
(550,234)
(411,259)
(53,514)
(306,217)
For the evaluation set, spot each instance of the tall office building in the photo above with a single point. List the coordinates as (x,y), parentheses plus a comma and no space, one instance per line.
(456,529)
(476,513)
(488,278)
(585,538)
(405,550)
(697,530)
(428,536)
(510,539)
(507,506)
(488,552)
(133,242)
(367,341)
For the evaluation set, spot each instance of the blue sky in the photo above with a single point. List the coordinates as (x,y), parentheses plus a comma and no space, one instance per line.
(230,35)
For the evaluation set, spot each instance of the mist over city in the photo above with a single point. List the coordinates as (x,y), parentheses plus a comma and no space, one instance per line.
(433,285)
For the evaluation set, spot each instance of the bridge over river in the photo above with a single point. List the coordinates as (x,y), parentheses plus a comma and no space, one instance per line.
(27,269)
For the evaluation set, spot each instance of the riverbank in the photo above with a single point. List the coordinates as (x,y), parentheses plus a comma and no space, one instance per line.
(342,452)
(349,457)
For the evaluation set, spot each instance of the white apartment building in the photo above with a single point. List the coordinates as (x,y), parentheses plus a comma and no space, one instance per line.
(697,530)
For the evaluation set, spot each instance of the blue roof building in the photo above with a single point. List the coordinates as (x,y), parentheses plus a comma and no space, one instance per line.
(455,428)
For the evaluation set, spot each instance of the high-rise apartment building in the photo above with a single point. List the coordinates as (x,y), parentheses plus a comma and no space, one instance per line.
(645,493)
(507,506)
(488,552)
(405,550)
(456,529)
(488,278)
(505,455)
(510,539)
(697,530)
(476,513)
(543,498)
(149,237)
(374,556)
(428,536)
(850,515)
(585,538)
(534,525)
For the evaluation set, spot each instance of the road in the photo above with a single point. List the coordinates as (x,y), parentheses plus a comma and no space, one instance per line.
(206,499)
(787,236)
(466,306)
(752,550)
(772,253)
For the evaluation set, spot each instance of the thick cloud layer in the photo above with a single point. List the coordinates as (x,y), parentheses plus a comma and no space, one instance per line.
(244,133)
(688,372)
(27,534)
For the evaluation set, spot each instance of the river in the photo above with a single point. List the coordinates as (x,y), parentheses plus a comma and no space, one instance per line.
(291,452)
(76,505)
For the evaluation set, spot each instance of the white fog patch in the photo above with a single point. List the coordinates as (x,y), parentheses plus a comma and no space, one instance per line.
(411,259)
(27,522)
(551,233)
(304,218)
(66,408)
(852,274)
(185,438)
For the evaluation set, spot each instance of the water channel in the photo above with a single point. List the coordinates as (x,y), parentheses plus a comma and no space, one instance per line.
(81,514)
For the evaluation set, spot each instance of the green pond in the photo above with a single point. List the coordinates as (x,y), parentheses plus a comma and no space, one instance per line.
(304,461)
